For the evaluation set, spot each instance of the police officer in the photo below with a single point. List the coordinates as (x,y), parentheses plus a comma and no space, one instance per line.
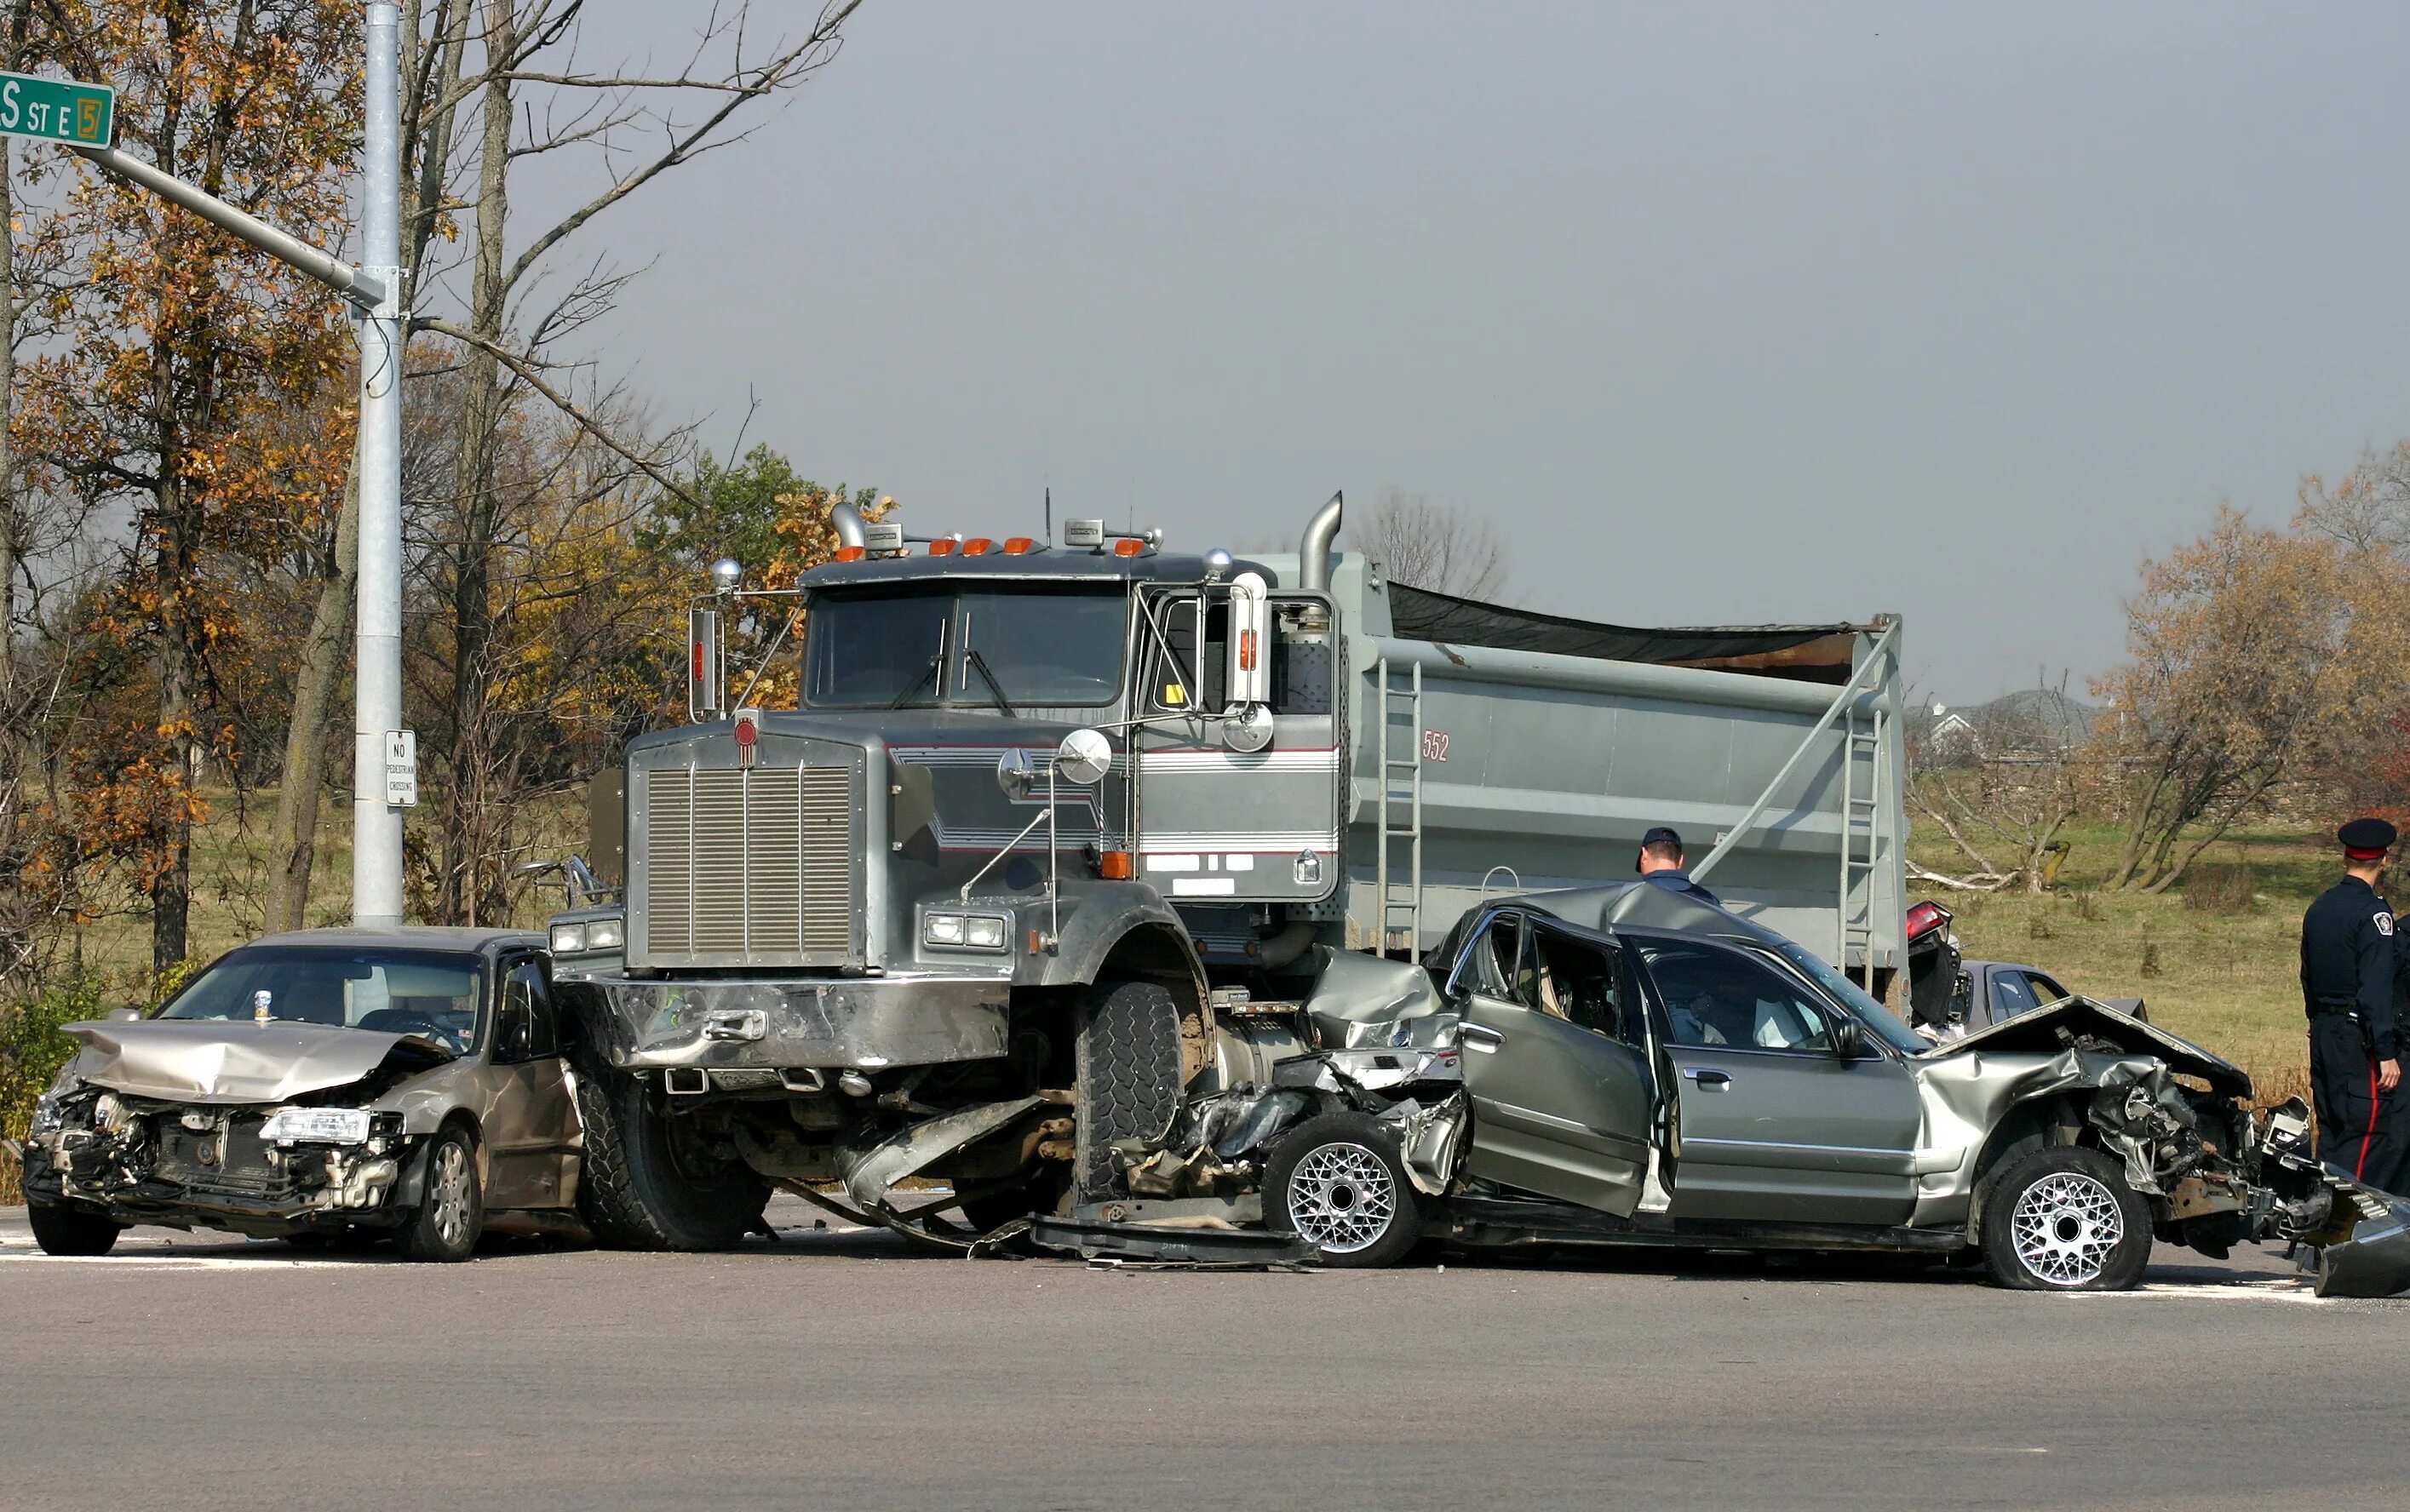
(1661,862)
(2347,982)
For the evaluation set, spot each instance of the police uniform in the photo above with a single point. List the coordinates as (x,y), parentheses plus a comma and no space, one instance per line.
(1676,880)
(2348,972)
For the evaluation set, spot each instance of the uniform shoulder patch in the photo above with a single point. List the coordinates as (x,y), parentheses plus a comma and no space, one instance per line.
(2384,922)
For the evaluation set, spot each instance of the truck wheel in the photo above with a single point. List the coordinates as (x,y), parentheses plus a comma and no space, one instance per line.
(1128,1082)
(2063,1220)
(639,1187)
(451,1210)
(65,1228)
(1337,1181)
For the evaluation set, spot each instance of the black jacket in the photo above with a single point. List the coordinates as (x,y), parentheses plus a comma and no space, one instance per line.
(2348,960)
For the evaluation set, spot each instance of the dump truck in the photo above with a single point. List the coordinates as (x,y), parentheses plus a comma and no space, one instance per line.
(1051,819)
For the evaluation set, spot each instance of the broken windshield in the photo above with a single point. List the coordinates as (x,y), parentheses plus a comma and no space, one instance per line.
(985,648)
(434,995)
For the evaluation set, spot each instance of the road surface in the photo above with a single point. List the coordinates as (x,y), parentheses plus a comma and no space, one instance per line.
(841,1368)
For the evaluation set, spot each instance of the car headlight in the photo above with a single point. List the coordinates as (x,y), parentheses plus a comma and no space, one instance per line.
(964,931)
(568,939)
(316,1126)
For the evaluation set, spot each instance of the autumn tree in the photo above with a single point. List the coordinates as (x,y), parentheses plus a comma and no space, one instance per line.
(2252,653)
(1427,543)
(173,341)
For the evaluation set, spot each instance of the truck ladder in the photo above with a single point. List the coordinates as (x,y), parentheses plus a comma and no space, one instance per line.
(1401,912)
(1861,825)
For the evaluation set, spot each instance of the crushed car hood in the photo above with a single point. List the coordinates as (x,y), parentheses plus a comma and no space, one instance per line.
(214,1061)
(2047,1031)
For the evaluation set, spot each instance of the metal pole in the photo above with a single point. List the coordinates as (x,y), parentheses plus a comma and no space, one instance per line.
(327,269)
(376,825)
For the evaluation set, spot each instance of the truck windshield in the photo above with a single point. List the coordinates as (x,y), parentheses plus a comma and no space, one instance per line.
(976,647)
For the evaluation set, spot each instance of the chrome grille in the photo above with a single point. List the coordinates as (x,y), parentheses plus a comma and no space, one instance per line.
(750,864)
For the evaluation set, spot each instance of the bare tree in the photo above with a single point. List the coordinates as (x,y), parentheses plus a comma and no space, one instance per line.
(2004,794)
(2368,509)
(1427,543)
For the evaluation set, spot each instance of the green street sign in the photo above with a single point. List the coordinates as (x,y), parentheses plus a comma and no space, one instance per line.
(57,110)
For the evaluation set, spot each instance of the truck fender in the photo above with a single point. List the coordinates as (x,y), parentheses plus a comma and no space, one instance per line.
(1099,918)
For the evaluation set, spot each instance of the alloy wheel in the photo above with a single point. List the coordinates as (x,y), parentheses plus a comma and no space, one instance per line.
(1341,1197)
(2065,1228)
(448,1192)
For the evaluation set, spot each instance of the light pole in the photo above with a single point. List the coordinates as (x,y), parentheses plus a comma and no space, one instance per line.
(382,760)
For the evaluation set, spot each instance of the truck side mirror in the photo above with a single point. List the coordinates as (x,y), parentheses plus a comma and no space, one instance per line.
(1251,643)
(706,682)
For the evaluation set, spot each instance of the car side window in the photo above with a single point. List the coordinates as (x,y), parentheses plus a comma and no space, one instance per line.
(2011,995)
(1579,982)
(1715,995)
(527,996)
(2044,990)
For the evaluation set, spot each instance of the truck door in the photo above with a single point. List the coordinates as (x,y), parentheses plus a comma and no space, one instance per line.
(1221,824)
(1774,1126)
(1553,1060)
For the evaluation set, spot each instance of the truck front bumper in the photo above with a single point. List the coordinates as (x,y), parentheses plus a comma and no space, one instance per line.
(836,1022)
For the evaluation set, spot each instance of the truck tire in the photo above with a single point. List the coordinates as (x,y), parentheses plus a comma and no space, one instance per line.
(632,1191)
(1128,1077)
(451,1205)
(1337,1181)
(65,1228)
(2063,1220)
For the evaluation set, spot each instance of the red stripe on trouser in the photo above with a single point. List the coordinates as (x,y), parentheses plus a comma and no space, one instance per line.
(2365,1140)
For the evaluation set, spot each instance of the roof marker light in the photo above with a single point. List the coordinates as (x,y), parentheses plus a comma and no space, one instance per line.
(848,553)
(1128,546)
(943,546)
(1016,545)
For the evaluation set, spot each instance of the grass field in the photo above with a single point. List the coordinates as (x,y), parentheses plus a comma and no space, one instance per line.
(2230,980)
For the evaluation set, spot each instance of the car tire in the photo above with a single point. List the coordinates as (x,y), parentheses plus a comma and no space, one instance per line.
(451,1213)
(2064,1219)
(1127,1083)
(632,1191)
(67,1229)
(1337,1181)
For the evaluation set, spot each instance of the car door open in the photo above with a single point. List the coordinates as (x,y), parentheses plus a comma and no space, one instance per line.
(1560,1090)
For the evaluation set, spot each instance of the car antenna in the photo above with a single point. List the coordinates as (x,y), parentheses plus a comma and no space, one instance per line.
(1050,514)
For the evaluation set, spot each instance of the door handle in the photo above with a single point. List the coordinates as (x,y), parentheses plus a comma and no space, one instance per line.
(1709,1079)
(1480,1036)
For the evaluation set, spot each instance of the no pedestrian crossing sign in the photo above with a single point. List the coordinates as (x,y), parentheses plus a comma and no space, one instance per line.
(401,769)
(57,109)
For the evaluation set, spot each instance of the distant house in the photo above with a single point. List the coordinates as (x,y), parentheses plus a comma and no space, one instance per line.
(2034,722)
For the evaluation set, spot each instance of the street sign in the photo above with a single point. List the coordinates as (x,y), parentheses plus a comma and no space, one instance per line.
(401,769)
(57,109)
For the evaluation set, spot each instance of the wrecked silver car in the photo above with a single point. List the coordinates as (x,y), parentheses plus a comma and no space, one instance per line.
(402,1081)
(1622,1065)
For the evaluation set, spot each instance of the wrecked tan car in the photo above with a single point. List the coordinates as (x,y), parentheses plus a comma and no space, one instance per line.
(1623,1065)
(406,1082)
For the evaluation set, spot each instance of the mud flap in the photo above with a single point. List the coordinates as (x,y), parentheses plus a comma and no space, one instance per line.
(2371,1259)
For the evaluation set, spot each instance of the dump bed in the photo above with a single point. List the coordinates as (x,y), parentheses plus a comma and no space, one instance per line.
(1494,749)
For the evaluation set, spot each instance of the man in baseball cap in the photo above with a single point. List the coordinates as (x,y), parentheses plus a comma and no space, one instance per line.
(2348,966)
(1661,862)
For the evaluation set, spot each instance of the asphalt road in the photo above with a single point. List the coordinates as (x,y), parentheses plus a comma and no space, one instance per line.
(843,1369)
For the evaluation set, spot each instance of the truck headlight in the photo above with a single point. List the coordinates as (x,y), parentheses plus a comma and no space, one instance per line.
(316,1126)
(963,932)
(606,934)
(568,939)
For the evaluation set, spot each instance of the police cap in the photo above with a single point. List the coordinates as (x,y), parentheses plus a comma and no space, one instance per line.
(2367,839)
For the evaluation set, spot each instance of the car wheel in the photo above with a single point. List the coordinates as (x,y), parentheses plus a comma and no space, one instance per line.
(1337,1183)
(1128,1078)
(452,1208)
(643,1185)
(65,1228)
(2063,1220)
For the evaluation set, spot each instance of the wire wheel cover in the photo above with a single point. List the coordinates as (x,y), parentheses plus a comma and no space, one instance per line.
(2065,1227)
(449,1191)
(1341,1197)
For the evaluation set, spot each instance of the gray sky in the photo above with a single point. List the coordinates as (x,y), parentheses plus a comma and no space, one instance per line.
(1723,313)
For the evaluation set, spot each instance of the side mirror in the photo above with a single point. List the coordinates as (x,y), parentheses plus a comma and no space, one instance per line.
(706,683)
(1849,1039)
(1017,774)
(1250,730)
(516,1035)
(124,1016)
(1083,757)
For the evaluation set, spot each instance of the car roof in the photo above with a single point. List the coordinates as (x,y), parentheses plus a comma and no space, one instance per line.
(405,937)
